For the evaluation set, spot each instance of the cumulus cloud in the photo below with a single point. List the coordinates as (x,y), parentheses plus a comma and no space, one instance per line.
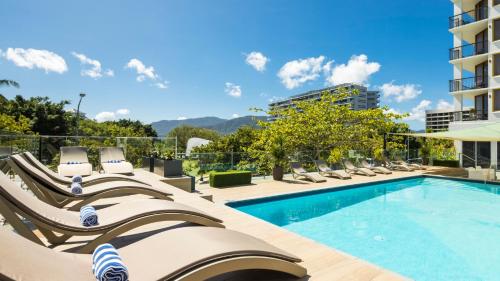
(235,115)
(162,85)
(257,60)
(400,93)
(444,105)
(418,113)
(392,110)
(357,70)
(110,115)
(233,90)
(33,58)
(295,73)
(275,99)
(95,69)
(146,72)
(181,118)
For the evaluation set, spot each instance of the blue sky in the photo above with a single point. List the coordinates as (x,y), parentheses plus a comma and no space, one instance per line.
(154,60)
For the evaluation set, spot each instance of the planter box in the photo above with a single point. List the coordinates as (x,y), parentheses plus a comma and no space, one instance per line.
(167,168)
(148,164)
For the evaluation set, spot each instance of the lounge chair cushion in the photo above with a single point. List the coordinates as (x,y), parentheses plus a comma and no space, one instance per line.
(122,167)
(69,170)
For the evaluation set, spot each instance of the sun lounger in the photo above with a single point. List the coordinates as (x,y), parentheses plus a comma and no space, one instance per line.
(394,165)
(298,171)
(350,168)
(59,195)
(74,161)
(376,169)
(113,161)
(325,170)
(87,181)
(187,253)
(113,220)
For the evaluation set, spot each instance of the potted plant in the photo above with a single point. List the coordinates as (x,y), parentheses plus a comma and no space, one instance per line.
(278,154)
(166,165)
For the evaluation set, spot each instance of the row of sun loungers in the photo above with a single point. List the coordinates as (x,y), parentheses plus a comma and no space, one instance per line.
(74,161)
(364,168)
(179,253)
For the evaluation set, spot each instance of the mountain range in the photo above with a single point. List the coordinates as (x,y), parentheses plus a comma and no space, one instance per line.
(223,126)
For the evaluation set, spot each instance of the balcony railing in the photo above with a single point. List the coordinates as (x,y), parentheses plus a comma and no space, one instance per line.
(471,83)
(468,17)
(470,115)
(469,50)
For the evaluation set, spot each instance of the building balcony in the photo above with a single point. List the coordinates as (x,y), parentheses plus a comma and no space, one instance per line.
(461,116)
(468,50)
(468,17)
(467,84)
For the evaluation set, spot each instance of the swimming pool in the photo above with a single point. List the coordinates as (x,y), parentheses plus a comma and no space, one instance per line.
(424,228)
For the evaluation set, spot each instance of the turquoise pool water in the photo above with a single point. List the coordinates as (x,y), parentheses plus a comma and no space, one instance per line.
(424,228)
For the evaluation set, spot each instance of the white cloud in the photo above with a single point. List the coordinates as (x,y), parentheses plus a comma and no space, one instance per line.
(111,116)
(105,116)
(143,72)
(162,85)
(392,110)
(123,111)
(182,118)
(257,60)
(295,73)
(233,90)
(357,70)
(235,115)
(33,58)
(418,113)
(400,93)
(442,104)
(95,71)
(275,99)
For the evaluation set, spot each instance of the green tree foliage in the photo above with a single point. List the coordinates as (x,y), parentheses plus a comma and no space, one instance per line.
(8,125)
(185,132)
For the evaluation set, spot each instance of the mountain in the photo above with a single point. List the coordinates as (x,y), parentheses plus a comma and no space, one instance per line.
(223,126)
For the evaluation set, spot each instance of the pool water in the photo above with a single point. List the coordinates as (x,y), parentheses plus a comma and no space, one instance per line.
(424,228)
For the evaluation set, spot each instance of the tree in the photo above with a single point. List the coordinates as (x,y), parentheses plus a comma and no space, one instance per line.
(185,132)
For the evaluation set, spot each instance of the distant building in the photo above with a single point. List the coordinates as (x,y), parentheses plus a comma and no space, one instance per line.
(365,99)
(438,120)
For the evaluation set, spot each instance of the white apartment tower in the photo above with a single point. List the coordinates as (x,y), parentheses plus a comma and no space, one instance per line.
(475,57)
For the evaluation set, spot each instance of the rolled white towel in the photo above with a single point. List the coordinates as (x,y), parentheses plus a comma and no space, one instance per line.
(76,188)
(88,216)
(77,178)
(107,264)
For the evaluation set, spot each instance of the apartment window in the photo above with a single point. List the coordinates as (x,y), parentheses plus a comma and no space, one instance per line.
(496,64)
(496,100)
(496,30)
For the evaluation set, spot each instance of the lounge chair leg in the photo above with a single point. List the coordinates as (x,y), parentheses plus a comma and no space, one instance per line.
(17,223)
(52,238)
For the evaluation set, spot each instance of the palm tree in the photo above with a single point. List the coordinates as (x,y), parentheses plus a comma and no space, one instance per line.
(12,83)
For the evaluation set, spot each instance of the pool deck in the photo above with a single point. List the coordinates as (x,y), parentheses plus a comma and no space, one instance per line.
(322,262)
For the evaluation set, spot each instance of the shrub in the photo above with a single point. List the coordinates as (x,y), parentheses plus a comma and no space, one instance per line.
(446,163)
(230,178)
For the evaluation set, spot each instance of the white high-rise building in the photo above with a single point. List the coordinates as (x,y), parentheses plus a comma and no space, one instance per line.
(475,57)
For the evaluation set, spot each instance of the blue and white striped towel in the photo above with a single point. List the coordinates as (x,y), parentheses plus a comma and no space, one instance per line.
(88,216)
(73,162)
(107,264)
(76,188)
(114,161)
(77,178)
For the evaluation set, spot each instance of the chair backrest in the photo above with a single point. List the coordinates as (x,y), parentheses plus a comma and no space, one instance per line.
(297,168)
(36,174)
(23,259)
(73,154)
(111,154)
(365,164)
(322,166)
(40,166)
(348,164)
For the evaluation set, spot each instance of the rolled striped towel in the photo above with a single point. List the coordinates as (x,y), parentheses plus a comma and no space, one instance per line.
(74,162)
(77,178)
(107,264)
(76,188)
(114,161)
(88,216)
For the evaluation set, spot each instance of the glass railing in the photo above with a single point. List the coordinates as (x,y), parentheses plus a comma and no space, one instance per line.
(468,17)
(470,83)
(469,50)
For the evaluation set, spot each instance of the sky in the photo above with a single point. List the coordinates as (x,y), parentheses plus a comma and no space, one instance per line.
(155,60)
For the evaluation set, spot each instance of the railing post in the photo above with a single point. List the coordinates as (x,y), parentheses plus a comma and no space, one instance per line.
(40,148)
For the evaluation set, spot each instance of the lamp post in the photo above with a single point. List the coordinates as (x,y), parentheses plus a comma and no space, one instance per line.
(82,95)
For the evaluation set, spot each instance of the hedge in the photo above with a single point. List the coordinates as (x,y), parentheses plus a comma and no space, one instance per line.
(446,163)
(230,178)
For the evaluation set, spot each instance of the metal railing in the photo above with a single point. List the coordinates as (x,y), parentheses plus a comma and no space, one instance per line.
(465,156)
(468,17)
(470,83)
(470,115)
(468,50)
